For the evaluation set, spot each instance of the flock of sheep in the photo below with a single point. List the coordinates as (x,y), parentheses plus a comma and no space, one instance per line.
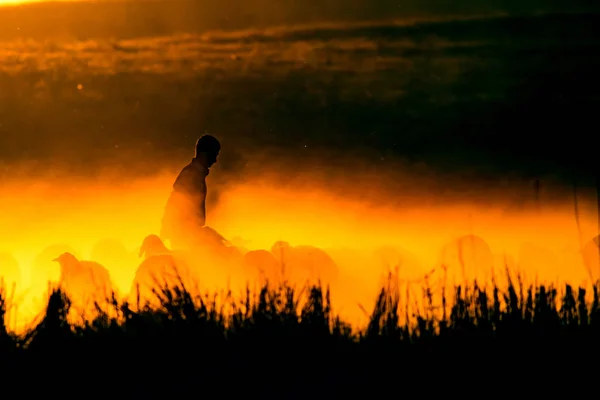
(86,281)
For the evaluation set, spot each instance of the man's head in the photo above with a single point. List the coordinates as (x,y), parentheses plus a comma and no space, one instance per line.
(207,149)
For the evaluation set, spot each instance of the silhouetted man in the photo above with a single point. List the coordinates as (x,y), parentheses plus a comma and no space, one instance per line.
(185,212)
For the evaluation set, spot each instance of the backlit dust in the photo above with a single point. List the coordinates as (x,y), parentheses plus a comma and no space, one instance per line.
(542,240)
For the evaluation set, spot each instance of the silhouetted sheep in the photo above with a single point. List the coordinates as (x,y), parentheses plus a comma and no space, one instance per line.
(85,282)
(265,264)
(43,269)
(468,257)
(219,246)
(153,246)
(158,269)
(305,263)
(589,253)
(395,257)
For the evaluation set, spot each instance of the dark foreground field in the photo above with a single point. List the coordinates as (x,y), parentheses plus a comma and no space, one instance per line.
(280,343)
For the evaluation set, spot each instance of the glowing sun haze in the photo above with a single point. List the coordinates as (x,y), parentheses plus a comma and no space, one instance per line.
(12,2)
(80,213)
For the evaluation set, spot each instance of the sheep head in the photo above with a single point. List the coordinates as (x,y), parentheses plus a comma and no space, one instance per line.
(280,248)
(68,263)
(152,245)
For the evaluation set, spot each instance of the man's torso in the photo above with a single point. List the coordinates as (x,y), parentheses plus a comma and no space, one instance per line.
(186,204)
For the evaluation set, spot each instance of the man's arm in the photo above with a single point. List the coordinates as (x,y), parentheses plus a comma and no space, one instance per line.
(202,209)
(201,191)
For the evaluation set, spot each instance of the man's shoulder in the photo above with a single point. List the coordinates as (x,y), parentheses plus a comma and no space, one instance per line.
(187,169)
(191,170)
(189,178)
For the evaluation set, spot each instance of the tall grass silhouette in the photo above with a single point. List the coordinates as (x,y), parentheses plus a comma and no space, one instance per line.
(285,312)
(283,337)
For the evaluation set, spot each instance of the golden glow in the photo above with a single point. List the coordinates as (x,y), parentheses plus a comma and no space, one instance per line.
(80,213)
(24,2)
(13,2)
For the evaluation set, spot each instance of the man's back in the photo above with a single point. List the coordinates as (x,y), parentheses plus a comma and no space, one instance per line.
(185,209)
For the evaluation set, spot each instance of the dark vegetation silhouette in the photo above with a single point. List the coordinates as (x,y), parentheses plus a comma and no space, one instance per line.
(294,335)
